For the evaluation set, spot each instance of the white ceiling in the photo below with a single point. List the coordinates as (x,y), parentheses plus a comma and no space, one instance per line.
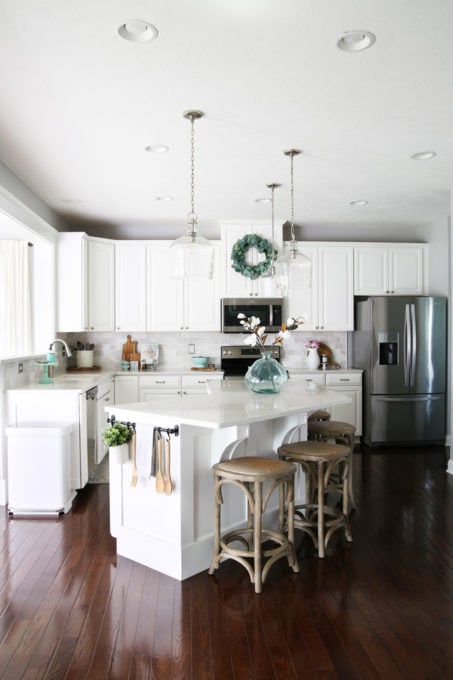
(79,104)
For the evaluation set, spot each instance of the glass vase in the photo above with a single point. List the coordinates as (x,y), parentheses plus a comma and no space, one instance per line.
(266,375)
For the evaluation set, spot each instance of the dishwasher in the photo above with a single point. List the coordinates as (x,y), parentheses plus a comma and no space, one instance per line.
(97,399)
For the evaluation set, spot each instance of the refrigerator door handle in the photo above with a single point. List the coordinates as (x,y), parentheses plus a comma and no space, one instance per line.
(407,345)
(400,400)
(414,346)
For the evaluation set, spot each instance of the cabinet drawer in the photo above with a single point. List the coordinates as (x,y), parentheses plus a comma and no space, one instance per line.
(317,378)
(160,381)
(344,379)
(194,380)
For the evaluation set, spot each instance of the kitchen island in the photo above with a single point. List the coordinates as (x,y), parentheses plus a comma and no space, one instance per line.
(173,533)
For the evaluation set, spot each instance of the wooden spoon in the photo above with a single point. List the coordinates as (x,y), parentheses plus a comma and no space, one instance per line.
(167,478)
(159,476)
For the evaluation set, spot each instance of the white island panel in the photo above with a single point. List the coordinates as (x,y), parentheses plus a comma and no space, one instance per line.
(173,534)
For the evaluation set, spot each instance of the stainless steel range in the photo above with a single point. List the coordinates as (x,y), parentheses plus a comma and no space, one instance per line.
(235,359)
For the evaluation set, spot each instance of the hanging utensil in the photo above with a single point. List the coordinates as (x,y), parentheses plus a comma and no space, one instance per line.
(160,487)
(134,479)
(168,486)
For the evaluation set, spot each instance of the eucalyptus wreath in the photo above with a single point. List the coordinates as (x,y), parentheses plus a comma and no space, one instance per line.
(240,250)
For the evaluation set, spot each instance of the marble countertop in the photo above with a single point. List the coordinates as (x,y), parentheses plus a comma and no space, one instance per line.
(230,403)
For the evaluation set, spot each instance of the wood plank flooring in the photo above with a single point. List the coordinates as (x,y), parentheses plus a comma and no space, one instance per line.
(380,607)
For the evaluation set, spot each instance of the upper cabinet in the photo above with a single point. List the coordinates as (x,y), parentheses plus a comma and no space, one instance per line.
(85,283)
(235,284)
(130,286)
(329,304)
(390,269)
(176,305)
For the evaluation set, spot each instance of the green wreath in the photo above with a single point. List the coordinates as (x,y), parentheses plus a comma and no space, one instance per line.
(240,250)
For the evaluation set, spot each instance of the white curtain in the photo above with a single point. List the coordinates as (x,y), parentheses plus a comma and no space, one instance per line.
(15,307)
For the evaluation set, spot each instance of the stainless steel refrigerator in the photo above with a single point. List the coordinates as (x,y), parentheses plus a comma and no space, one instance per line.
(401,343)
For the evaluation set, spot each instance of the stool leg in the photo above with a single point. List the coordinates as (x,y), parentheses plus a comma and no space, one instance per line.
(257,537)
(292,560)
(346,475)
(215,556)
(320,509)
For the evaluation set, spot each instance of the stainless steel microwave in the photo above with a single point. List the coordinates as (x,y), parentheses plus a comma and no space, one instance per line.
(269,311)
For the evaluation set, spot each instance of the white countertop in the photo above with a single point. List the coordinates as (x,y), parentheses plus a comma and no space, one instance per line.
(230,403)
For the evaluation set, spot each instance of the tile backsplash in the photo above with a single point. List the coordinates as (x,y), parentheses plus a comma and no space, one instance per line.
(174,347)
(173,351)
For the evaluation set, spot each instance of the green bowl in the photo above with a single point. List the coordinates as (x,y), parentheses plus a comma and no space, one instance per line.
(200,362)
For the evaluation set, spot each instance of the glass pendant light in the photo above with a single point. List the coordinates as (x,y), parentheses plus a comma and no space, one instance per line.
(294,268)
(272,272)
(192,253)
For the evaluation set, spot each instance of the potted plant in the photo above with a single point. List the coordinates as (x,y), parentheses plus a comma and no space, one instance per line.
(117,436)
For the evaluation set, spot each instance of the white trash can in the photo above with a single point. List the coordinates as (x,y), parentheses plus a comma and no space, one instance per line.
(39,468)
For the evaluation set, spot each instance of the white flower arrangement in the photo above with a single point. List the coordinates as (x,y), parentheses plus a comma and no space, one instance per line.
(258,335)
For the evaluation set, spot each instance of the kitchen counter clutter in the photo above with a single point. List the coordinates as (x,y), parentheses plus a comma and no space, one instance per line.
(173,534)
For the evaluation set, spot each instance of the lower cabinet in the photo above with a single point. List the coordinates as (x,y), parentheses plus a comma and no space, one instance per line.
(349,384)
(132,388)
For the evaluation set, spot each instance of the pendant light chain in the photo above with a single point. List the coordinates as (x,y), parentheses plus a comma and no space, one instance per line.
(292,196)
(192,214)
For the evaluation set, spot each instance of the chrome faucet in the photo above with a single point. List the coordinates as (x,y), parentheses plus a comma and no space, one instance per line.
(63,342)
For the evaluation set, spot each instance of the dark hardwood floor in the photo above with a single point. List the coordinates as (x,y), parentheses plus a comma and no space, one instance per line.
(380,607)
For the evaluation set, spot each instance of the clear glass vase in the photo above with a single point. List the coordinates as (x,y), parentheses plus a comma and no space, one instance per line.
(266,375)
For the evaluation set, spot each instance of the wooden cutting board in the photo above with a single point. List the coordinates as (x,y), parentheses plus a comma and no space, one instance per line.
(130,350)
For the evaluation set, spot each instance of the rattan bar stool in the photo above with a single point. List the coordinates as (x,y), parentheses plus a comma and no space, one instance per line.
(319,415)
(341,433)
(318,460)
(249,474)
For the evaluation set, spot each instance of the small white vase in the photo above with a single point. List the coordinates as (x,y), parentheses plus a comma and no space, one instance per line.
(313,359)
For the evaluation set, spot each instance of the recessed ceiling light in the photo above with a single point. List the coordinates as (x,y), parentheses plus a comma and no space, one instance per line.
(70,201)
(157,148)
(356,41)
(165,198)
(137,30)
(263,200)
(423,155)
(358,202)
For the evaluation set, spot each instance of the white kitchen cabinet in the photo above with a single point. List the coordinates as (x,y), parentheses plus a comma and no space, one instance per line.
(197,384)
(181,305)
(126,389)
(85,283)
(389,269)
(349,384)
(329,304)
(346,383)
(234,284)
(130,286)
(159,385)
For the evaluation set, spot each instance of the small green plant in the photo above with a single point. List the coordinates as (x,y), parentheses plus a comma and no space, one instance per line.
(116,434)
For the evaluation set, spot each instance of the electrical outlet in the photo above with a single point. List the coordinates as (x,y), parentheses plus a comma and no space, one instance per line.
(191,348)
(20,368)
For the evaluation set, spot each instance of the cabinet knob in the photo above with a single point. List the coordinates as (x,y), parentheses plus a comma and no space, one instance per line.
(118,328)
(181,328)
(91,328)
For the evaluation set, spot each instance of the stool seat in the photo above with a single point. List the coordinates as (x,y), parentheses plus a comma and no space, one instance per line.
(254,468)
(249,473)
(319,415)
(319,459)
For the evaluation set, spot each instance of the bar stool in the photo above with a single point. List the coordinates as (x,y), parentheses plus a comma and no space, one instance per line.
(319,415)
(341,433)
(249,473)
(318,460)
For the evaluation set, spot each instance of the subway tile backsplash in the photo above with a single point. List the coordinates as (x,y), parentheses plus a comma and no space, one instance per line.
(173,351)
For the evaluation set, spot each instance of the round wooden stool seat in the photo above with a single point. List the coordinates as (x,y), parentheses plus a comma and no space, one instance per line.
(249,473)
(319,459)
(319,415)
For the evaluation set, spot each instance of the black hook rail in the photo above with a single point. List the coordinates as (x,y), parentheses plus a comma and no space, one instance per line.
(132,426)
